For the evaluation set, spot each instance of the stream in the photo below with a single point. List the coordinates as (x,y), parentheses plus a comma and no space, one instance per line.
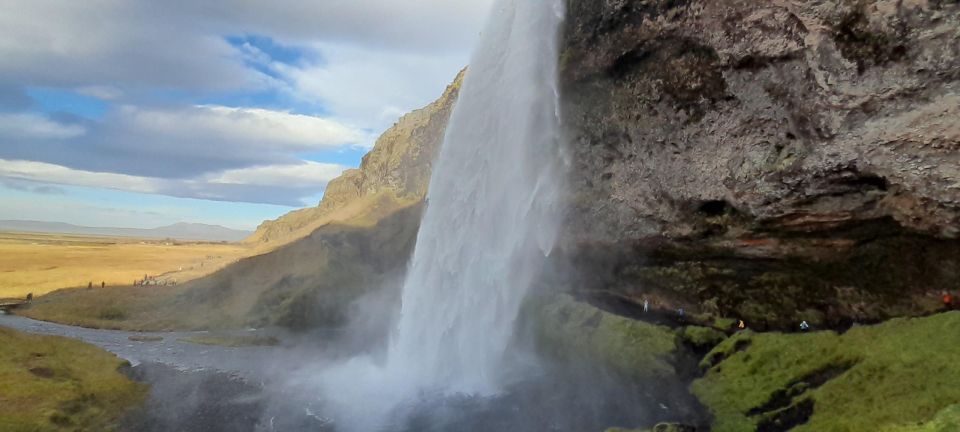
(244,361)
(213,388)
(205,387)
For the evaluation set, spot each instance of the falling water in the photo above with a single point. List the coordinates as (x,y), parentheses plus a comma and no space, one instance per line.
(491,218)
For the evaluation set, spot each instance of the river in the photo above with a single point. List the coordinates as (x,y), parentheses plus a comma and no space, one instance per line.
(214,388)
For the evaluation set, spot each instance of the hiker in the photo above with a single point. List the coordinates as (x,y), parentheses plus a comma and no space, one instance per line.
(90,285)
(680,314)
(646,305)
(947,300)
(29,297)
(804,327)
(103,284)
(741,325)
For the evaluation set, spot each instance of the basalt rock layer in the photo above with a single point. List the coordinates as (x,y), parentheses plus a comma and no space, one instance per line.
(774,161)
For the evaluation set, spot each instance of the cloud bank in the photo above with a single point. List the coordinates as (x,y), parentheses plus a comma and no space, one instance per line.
(221,100)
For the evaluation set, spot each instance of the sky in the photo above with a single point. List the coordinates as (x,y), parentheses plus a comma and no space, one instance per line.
(142,113)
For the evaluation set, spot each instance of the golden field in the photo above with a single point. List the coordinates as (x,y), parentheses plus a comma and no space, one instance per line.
(40,263)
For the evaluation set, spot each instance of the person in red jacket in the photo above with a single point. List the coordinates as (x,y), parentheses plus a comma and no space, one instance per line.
(947,300)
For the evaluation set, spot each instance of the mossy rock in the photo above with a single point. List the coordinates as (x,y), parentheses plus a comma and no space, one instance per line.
(566,327)
(891,376)
(701,338)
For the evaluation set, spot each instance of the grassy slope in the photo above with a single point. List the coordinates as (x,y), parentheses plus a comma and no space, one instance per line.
(338,259)
(567,327)
(54,384)
(40,263)
(901,373)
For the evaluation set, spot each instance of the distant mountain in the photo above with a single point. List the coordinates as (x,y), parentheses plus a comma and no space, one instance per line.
(179,231)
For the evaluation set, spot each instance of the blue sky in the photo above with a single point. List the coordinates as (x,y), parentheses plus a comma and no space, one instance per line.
(138,114)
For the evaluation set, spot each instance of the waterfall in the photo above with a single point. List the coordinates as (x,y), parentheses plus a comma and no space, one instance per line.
(491,219)
(491,212)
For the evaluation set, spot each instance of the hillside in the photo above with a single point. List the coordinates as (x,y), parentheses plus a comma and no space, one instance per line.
(399,163)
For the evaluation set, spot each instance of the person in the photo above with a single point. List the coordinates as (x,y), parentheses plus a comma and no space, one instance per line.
(741,325)
(103,284)
(90,285)
(29,297)
(804,327)
(947,300)
(646,305)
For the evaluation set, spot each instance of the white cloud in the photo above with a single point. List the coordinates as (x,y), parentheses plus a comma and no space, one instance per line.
(179,43)
(113,42)
(240,127)
(33,126)
(174,142)
(362,63)
(289,185)
(102,92)
(372,87)
(50,173)
(307,174)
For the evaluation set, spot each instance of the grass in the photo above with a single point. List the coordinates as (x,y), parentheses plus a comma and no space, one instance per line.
(232,341)
(122,308)
(890,377)
(145,338)
(49,383)
(947,420)
(41,263)
(567,327)
(312,278)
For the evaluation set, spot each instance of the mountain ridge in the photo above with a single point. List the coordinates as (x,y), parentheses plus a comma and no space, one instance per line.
(399,164)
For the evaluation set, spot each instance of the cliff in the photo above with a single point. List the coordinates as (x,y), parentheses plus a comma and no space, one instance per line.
(399,164)
(779,161)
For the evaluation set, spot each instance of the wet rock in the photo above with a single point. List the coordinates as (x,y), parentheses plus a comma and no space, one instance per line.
(775,162)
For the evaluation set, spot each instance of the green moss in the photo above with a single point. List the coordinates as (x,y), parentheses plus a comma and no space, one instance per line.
(724,323)
(895,374)
(701,338)
(232,341)
(145,338)
(50,383)
(637,349)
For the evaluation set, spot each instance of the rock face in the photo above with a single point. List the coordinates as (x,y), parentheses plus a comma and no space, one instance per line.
(778,161)
(400,164)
